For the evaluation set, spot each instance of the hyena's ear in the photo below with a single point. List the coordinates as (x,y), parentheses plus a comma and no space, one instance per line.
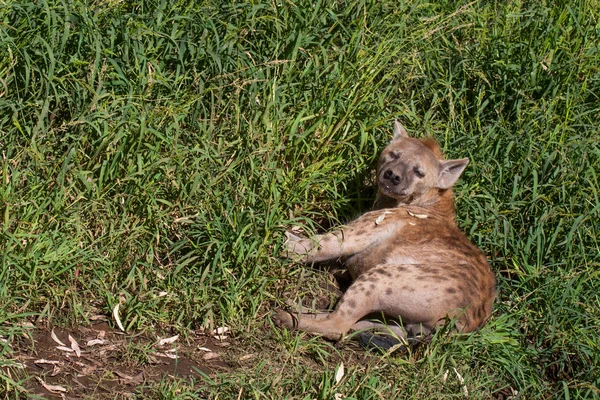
(399,131)
(449,172)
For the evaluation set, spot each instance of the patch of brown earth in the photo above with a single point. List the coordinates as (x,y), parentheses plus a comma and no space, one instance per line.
(98,361)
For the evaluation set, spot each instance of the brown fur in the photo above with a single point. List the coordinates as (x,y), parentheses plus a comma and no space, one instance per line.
(407,258)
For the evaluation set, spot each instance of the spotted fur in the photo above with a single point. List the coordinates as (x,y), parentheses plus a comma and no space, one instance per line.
(407,258)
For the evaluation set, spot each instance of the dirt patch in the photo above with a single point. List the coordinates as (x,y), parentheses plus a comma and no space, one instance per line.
(98,361)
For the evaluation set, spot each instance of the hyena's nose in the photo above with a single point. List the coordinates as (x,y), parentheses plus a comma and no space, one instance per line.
(392,177)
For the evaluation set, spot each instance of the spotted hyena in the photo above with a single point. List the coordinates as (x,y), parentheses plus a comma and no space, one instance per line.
(407,258)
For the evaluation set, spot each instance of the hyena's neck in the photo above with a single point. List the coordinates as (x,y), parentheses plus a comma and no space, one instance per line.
(438,202)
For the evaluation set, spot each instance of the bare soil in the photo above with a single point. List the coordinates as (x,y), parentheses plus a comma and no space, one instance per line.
(113,364)
(110,363)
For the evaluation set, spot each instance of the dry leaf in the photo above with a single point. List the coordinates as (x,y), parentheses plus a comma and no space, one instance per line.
(99,318)
(204,349)
(397,346)
(221,330)
(51,388)
(380,219)
(167,355)
(136,380)
(219,333)
(87,370)
(422,216)
(56,339)
(123,375)
(130,380)
(23,357)
(210,356)
(75,346)
(110,347)
(94,342)
(55,370)
(247,356)
(172,339)
(65,348)
(339,373)
(44,361)
(116,317)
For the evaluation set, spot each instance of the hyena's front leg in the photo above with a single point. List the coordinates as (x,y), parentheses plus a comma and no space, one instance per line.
(316,248)
(329,246)
(349,240)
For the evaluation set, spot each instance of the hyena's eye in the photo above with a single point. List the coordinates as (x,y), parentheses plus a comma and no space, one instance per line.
(394,155)
(418,172)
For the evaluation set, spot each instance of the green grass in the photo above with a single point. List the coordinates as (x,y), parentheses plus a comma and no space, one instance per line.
(159,146)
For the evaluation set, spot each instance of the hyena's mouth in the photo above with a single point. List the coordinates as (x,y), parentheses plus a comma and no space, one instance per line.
(393,191)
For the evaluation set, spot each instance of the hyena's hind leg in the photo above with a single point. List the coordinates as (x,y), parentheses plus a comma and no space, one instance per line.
(351,308)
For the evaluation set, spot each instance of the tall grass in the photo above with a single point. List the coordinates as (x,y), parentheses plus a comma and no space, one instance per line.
(164,146)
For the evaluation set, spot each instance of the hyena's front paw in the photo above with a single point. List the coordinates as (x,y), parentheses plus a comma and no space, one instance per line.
(296,247)
(284,319)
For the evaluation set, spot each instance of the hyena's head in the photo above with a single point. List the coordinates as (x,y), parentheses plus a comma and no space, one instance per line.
(410,170)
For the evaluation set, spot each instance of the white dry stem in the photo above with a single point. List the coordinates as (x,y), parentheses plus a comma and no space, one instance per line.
(462,382)
(116,317)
